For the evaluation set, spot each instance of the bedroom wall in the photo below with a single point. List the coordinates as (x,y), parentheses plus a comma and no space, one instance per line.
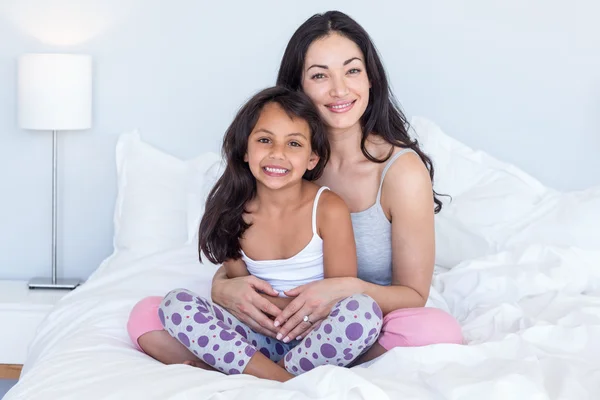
(520,80)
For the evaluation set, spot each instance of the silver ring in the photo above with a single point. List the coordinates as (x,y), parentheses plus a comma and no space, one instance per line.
(305,319)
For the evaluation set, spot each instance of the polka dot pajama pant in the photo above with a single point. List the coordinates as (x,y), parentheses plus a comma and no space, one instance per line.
(226,344)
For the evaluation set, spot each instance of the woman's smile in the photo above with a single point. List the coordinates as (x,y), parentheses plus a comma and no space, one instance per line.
(340,106)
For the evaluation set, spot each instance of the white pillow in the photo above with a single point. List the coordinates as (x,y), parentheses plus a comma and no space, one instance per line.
(497,207)
(200,188)
(154,189)
(562,219)
(489,198)
(460,168)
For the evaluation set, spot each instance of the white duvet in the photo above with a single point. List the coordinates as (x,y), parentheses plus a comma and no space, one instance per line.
(518,265)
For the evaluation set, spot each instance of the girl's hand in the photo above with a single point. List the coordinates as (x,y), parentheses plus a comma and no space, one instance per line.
(315,300)
(241,298)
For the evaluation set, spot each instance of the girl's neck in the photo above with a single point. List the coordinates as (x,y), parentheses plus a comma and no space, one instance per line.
(278,200)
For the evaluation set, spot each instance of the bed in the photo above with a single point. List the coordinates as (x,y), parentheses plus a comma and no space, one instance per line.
(516,262)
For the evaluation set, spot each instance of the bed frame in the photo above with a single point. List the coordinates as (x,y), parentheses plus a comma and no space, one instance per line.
(10,371)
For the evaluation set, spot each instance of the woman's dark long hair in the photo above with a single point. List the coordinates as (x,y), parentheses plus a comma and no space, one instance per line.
(223,225)
(383,116)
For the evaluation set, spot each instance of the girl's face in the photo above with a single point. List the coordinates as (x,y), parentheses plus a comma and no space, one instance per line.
(279,150)
(336,80)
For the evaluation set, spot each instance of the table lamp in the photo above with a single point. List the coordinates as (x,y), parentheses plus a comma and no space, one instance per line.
(54,94)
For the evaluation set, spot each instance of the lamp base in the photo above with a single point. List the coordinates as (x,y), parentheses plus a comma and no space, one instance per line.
(46,283)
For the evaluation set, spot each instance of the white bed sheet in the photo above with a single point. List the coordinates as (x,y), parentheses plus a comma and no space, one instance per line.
(531,317)
(519,266)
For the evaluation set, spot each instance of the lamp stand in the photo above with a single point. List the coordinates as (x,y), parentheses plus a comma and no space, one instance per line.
(54,282)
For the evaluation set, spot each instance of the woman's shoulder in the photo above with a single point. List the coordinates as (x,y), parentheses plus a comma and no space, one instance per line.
(407,180)
(405,168)
(381,149)
(406,164)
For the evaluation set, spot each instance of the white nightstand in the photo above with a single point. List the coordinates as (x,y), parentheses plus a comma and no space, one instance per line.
(21,311)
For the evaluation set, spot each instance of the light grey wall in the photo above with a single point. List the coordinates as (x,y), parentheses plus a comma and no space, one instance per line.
(520,80)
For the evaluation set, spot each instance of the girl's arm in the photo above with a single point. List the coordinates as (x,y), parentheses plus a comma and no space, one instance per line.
(335,228)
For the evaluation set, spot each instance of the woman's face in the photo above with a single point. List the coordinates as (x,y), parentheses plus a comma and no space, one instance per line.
(335,78)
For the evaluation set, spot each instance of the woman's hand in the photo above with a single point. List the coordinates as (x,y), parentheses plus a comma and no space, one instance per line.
(315,300)
(241,298)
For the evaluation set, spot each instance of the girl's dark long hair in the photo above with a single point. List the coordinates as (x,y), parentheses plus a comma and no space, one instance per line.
(222,224)
(383,116)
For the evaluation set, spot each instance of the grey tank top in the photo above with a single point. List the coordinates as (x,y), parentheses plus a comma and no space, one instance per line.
(373,236)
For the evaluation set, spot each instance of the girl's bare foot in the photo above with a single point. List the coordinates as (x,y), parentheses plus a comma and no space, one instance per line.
(198,364)
(163,347)
(375,351)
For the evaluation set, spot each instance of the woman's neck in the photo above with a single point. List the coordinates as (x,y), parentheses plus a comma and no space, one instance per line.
(345,146)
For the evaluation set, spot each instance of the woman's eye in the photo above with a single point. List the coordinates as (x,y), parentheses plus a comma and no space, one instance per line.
(318,76)
(295,144)
(263,140)
(354,71)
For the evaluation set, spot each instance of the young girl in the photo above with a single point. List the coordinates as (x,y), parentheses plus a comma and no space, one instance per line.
(265,218)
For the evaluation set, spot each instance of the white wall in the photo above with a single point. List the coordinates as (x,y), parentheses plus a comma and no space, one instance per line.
(521,81)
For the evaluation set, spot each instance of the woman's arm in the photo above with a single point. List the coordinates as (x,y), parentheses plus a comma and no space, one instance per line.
(279,302)
(315,299)
(407,196)
(235,268)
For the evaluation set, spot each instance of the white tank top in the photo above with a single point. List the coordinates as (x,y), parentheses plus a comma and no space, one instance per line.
(302,268)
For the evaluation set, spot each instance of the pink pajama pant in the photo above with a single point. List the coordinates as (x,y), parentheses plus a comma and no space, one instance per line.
(401,328)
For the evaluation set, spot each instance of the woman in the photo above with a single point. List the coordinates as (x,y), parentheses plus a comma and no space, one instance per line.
(386,182)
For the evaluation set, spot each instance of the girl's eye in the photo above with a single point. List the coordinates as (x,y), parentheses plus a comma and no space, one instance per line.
(263,140)
(354,71)
(295,144)
(318,75)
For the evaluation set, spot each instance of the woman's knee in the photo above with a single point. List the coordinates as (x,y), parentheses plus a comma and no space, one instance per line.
(143,318)
(422,326)
(147,316)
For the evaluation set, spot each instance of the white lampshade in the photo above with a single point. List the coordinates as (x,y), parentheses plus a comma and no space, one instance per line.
(55,91)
